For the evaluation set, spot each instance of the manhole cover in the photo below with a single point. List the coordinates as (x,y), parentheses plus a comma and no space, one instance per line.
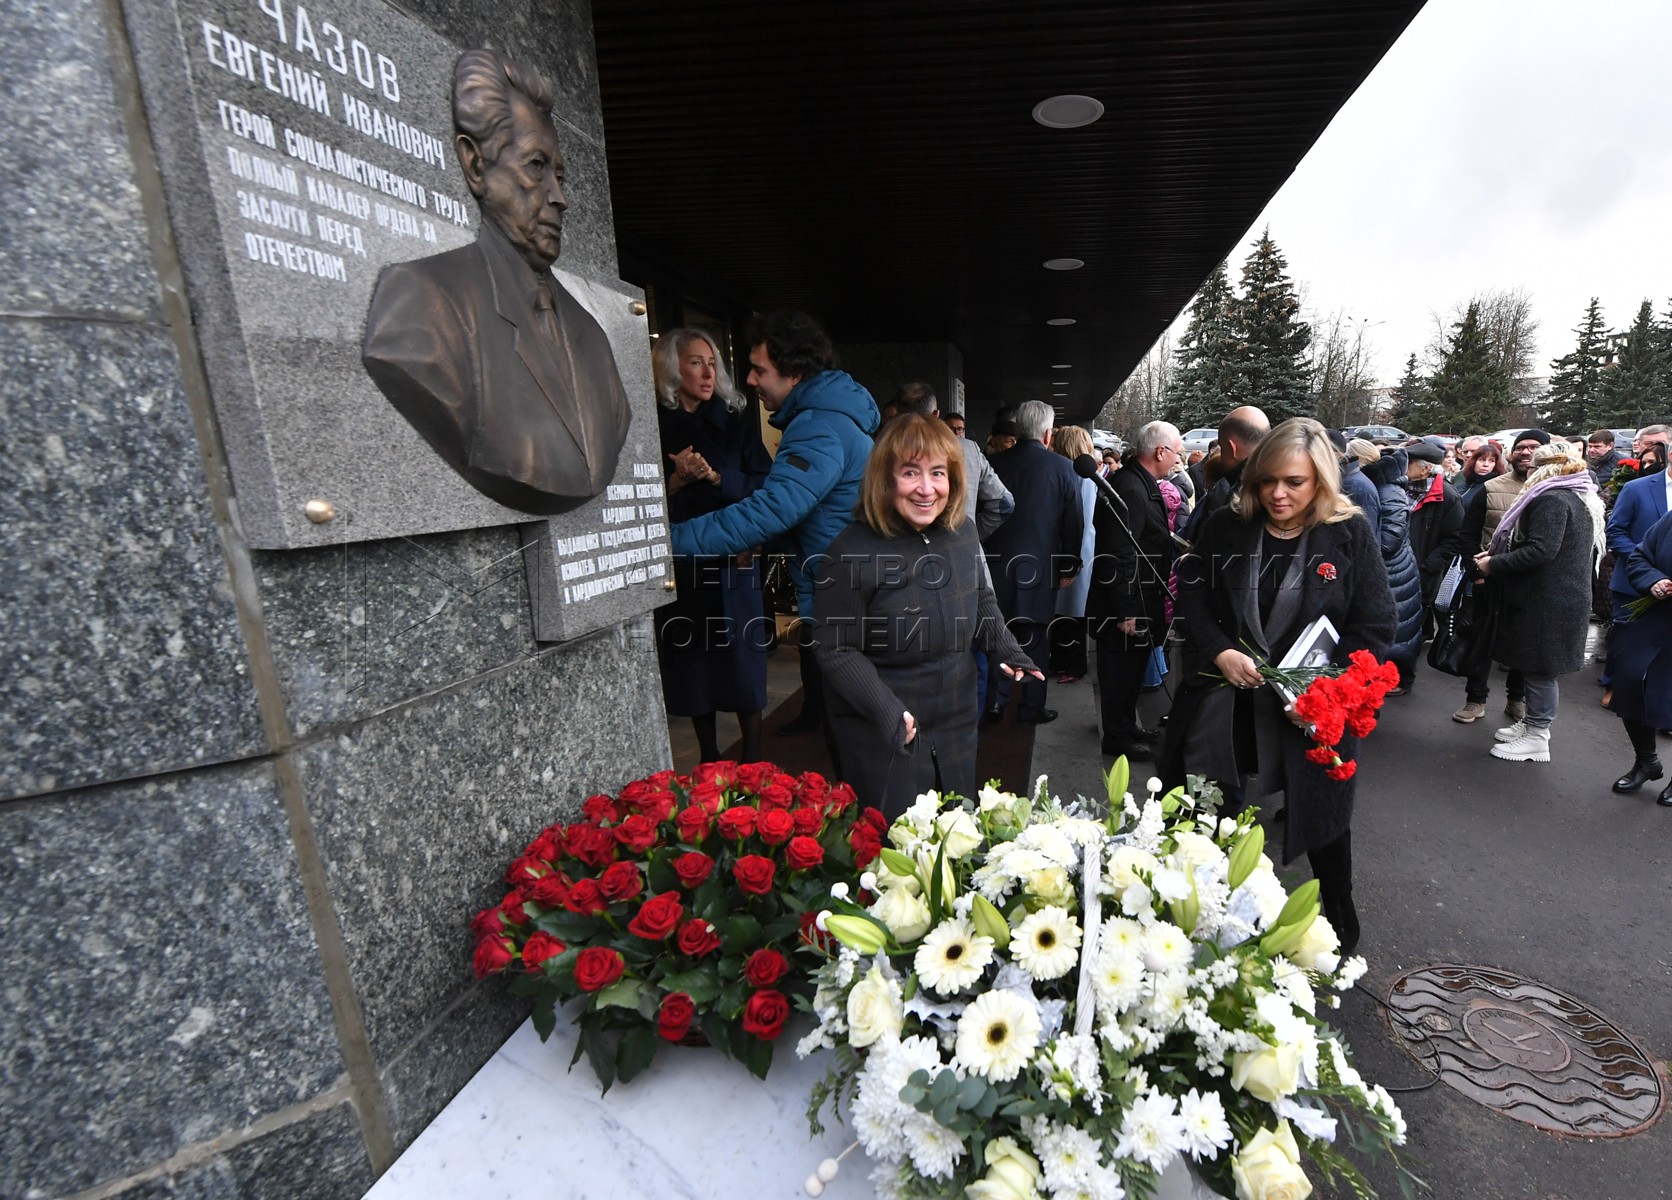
(1525,1049)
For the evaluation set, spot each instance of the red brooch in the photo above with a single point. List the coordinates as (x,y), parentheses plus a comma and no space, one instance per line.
(1326,572)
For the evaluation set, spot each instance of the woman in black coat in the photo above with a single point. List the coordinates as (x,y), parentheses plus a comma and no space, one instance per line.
(1404,577)
(897,600)
(712,639)
(1290,549)
(1640,659)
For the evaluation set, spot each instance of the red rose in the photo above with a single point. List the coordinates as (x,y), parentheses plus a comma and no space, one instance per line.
(776,796)
(697,937)
(1343,772)
(871,818)
(808,820)
(673,1022)
(621,881)
(842,797)
(599,809)
(659,805)
(550,892)
(493,954)
(754,874)
(539,948)
(524,868)
(658,917)
(692,868)
(585,897)
(545,848)
(707,796)
(632,796)
(637,833)
(737,823)
(597,967)
(775,826)
(765,968)
(764,1015)
(661,779)
(866,846)
(693,824)
(803,854)
(511,908)
(593,846)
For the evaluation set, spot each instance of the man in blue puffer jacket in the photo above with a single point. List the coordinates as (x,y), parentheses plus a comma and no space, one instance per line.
(827,420)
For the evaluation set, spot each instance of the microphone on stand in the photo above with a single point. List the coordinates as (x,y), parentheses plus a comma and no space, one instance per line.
(1086,468)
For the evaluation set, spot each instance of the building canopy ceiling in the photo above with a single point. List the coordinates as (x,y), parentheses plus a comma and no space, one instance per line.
(877,161)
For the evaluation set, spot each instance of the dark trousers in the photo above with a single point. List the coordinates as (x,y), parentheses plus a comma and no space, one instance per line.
(1332,867)
(1035,642)
(1479,688)
(812,678)
(1121,662)
(1068,645)
(1642,739)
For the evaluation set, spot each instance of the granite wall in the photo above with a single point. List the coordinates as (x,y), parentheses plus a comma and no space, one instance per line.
(250,798)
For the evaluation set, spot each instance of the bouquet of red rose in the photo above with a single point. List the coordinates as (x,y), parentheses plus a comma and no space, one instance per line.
(1338,702)
(675,910)
(1625,471)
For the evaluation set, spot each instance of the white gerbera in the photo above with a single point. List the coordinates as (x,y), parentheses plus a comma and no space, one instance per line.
(952,957)
(1047,944)
(1152,1131)
(1206,1130)
(997,1035)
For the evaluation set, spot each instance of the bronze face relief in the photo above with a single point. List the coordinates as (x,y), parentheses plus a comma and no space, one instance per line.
(502,371)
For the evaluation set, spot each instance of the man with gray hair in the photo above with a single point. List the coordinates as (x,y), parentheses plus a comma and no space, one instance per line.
(1035,552)
(507,377)
(1127,605)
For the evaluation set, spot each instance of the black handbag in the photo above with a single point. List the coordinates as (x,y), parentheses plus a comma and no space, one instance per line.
(1463,631)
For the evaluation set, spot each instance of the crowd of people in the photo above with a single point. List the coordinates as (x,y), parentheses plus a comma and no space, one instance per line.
(941,583)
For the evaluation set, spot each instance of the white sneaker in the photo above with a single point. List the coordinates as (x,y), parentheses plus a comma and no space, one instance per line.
(1511,733)
(1533,746)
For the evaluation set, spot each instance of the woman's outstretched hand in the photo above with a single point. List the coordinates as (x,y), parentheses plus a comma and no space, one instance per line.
(1238,669)
(1011,672)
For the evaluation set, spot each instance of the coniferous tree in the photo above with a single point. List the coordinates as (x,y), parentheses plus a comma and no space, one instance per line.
(1204,371)
(1271,337)
(1410,398)
(1469,393)
(1575,400)
(1631,394)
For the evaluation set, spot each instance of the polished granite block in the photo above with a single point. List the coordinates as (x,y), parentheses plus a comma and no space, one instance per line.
(161,979)
(72,234)
(419,812)
(357,628)
(123,651)
(320,1157)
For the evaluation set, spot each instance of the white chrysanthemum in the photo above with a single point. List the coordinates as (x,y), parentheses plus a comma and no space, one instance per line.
(1152,1131)
(934,1149)
(1169,993)
(1167,947)
(1070,1067)
(1206,1131)
(886,1182)
(1117,981)
(1124,933)
(879,1116)
(1068,1154)
(1047,944)
(997,1035)
(952,957)
(1051,842)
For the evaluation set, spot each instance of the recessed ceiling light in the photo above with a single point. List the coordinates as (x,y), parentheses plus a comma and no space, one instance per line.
(1064,264)
(1067,112)
(1062,366)
(1060,395)
(1060,321)
(1059,383)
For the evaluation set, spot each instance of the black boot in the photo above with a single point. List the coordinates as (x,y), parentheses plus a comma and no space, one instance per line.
(1665,797)
(1642,771)
(1343,918)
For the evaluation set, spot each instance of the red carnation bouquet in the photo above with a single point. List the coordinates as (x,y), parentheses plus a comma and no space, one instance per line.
(675,911)
(1336,703)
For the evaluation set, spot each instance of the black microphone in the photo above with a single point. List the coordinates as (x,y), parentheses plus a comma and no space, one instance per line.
(1086,468)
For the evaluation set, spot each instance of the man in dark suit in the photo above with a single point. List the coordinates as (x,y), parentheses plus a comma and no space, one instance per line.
(1639,505)
(502,371)
(1035,552)
(1127,602)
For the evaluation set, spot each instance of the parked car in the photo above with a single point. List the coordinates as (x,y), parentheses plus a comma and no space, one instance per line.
(1623,438)
(1382,435)
(1198,439)
(1102,439)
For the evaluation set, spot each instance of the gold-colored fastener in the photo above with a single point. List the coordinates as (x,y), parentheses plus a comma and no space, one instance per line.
(638,308)
(668,585)
(320,511)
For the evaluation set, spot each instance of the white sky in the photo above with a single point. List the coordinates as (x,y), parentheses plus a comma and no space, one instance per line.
(1500,143)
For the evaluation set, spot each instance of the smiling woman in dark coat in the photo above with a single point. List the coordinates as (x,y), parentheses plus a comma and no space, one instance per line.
(897,599)
(1291,548)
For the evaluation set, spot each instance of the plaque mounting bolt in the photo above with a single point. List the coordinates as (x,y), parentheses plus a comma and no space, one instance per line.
(638,308)
(320,511)
(668,585)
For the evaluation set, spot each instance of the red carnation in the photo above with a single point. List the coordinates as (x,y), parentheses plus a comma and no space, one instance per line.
(764,1015)
(693,868)
(600,809)
(493,954)
(737,823)
(803,854)
(637,833)
(597,967)
(539,948)
(621,881)
(1322,755)
(658,917)
(673,1020)
(585,897)
(775,826)
(754,874)
(765,968)
(1343,772)
(697,938)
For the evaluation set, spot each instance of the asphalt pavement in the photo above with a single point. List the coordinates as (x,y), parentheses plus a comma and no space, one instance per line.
(1536,869)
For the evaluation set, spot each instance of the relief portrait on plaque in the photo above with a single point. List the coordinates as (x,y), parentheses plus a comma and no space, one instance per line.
(503,372)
